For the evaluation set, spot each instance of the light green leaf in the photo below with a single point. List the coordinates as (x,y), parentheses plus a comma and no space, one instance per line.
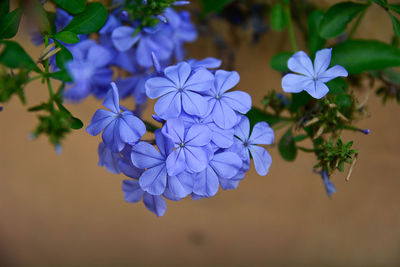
(72,6)
(338,17)
(67,37)
(362,55)
(89,21)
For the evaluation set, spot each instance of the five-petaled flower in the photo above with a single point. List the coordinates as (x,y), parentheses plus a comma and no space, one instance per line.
(311,78)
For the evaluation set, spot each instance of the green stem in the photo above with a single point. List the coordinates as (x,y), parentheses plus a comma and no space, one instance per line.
(308,150)
(34,78)
(51,93)
(292,37)
(357,23)
(150,127)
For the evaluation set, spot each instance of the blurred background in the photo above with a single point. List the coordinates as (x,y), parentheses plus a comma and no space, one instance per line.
(64,210)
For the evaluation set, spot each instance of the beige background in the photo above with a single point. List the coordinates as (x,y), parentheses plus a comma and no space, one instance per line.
(63,210)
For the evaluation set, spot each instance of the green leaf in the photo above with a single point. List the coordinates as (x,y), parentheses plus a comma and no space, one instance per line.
(395,8)
(61,75)
(362,55)
(89,21)
(67,37)
(43,106)
(4,7)
(337,17)
(380,2)
(315,42)
(278,19)
(14,56)
(256,115)
(41,18)
(343,101)
(63,56)
(299,100)
(9,24)
(287,146)
(75,123)
(300,137)
(213,5)
(72,6)
(279,61)
(337,86)
(396,25)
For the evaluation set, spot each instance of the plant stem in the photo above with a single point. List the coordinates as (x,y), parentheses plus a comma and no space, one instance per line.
(357,23)
(51,93)
(292,37)
(150,127)
(308,150)
(34,78)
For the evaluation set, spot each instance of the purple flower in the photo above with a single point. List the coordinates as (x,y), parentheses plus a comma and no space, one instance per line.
(262,134)
(155,178)
(224,165)
(133,193)
(224,105)
(191,151)
(89,70)
(179,90)
(208,63)
(120,128)
(311,78)
(329,186)
(108,159)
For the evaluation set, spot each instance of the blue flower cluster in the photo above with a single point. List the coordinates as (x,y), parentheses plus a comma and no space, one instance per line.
(124,45)
(204,142)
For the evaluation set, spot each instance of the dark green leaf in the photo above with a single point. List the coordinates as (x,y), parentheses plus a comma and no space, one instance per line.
(4,7)
(9,24)
(75,123)
(89,21)
(213,5)
(63,56)
(72,6)
(279,61)
(300,137)
(380,2)
(14,56)
(256,115)
(287,146)
(67,37)
(43,106)
(396,25)
(395,8)
(41,17)
(299,100)
(343,101)
(361,55)
(315,42)
(337,86)
(277,17)
(337,17)
(61,75)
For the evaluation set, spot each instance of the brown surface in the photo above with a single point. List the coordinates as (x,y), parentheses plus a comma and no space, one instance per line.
(65,211)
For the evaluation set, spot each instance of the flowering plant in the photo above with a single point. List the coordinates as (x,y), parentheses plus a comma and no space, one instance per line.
(203,134)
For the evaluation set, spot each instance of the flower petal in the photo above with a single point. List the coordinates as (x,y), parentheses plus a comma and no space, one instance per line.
(223,115)
(123,39)
(242,130)
(159,86)
(198,135)
(108,159)
(294,83)
(206,183)
(174,129)
(196,158)
(111,101)
(100,120)
(111,137)
(131,128)
(144,156)
(164,143)
(223,138)
(322,61)
(169,106)
(228,184)
(301,63)
(99,56)
(262,159)
(226,164)
(176,162)
(155,204)
(129,169)
(200,81)
(262,134)
(332,73)
(178,73)
(225,80)
(238,100)
(132,191)
(194,104)
(181,185)
(154,180)
(317,89)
